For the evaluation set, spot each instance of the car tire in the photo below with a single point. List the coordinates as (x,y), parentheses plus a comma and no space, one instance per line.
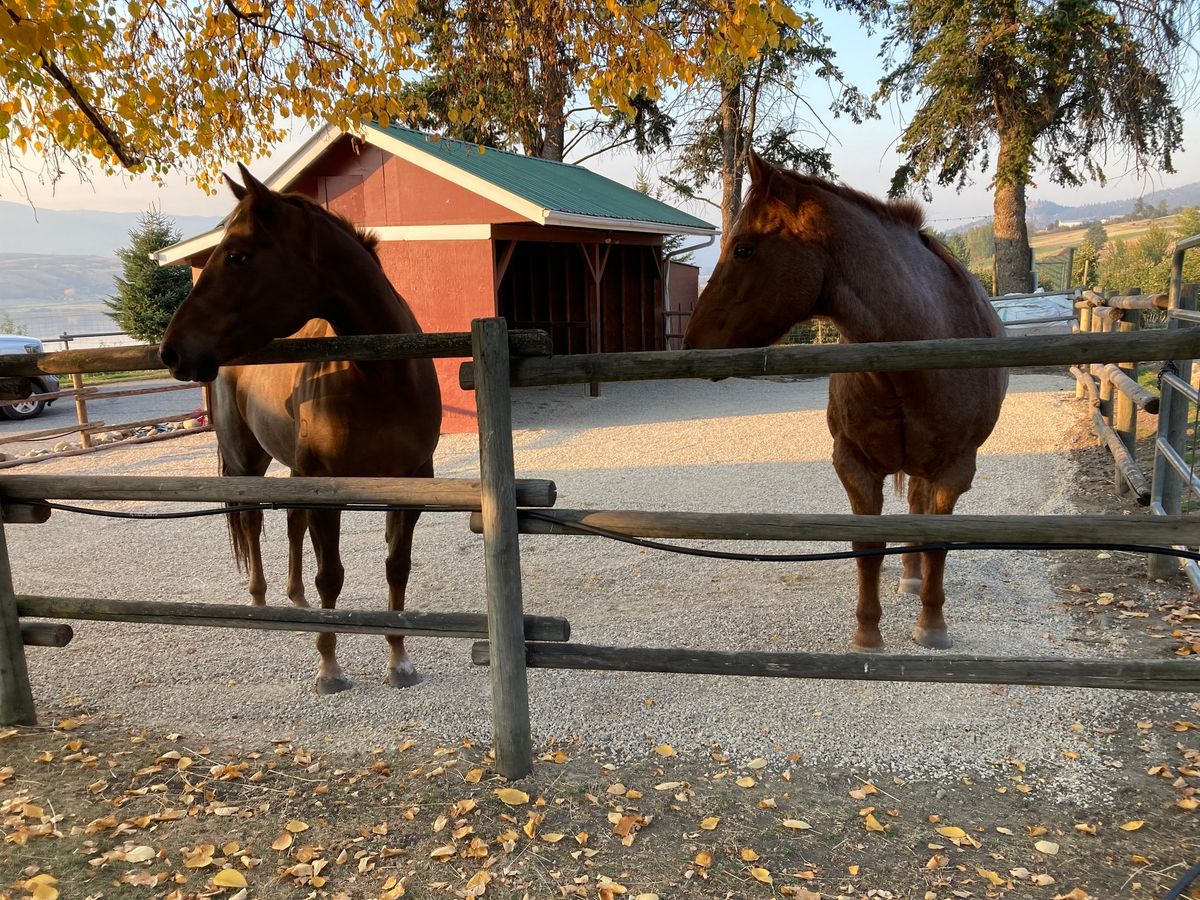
(26,409)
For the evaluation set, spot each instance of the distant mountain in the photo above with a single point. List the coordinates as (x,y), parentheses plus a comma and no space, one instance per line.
(1046,212)
(84,232)
(47,294)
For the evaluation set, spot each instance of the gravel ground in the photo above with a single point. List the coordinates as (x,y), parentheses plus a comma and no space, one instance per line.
(737,445)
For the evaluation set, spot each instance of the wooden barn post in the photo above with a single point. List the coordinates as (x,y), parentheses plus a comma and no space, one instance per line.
(501,549)
(1124,409)
(16,696)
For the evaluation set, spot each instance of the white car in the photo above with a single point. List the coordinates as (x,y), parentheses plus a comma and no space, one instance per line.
(40,384)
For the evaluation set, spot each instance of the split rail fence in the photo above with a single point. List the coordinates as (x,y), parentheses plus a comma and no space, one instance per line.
(503,507)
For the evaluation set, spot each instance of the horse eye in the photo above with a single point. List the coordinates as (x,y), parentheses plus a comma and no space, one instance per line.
(235,258)
(743,251)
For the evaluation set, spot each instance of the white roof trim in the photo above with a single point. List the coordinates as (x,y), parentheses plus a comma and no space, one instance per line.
(177,253)
(287,174)
(452,173)
(579,220)
(430,232)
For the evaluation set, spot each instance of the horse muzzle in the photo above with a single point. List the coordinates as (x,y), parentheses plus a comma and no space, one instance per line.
(185,366)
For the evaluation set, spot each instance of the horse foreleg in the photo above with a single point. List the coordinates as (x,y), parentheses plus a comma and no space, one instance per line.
(297,525)
(324,527)
(940,498)
(400,525)
(865,490)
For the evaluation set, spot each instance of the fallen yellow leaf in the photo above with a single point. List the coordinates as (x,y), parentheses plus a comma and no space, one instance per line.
(664,750)
(993,877)
(1132,825)
(511,796)
(443,853)
(283,841)
(749,855)
(229,878)
(760,874)
(703,859)
(796,824)
(1048,847)
(296,826)
(552,837)
(950,831)
(473,776)
(710,823)
(873,823)
(746,782)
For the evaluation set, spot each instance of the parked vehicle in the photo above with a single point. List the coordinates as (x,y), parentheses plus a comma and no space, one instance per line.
(40,384)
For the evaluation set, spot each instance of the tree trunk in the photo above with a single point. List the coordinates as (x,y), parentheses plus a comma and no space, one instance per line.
(731,153)
(1014,260)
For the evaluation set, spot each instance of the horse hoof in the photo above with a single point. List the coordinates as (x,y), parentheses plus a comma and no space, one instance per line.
(403,677)
(333,684)
(909,586)
(870,643)
(933,638)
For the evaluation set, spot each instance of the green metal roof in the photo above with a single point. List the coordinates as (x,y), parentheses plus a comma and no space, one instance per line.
(555,186)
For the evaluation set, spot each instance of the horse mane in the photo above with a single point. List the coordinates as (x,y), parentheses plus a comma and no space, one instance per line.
(903,212)
(368,240)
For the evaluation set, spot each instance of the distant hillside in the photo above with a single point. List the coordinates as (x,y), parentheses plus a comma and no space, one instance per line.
(47,294)
(1046,212)
(85,232)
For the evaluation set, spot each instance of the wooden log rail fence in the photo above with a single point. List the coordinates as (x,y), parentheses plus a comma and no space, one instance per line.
(1112,387)
(492,381)
(26,499)
(516,641)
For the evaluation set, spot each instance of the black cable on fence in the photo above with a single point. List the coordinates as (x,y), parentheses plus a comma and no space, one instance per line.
(582,528)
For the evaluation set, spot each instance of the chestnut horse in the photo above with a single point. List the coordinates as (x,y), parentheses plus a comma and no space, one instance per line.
(804,247)
(287,267)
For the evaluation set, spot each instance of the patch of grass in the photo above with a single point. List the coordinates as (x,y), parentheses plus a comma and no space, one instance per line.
(97,378)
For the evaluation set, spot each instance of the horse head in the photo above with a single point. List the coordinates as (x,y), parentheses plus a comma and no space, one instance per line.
(771,269)
(261,283)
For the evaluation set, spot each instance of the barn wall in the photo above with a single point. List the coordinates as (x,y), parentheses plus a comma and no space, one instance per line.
(683,290)
(447,284)
(371,187)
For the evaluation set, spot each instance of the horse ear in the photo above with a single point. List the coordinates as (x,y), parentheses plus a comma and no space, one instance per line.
(760,169)
(238,191)
(253,185)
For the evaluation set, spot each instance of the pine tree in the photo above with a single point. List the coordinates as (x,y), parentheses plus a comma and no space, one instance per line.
(148,294)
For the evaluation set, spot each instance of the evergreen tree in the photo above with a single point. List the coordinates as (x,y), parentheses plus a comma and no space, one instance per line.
(1023,84)
(1096,234)
(148,294)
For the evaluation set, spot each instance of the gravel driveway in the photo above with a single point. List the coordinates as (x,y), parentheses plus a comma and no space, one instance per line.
(738,445)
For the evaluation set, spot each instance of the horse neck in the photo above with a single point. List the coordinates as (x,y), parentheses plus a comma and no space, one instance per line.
(361,300)
(860,250)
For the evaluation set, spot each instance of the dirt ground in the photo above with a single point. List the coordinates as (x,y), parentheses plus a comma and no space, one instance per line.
(91,808)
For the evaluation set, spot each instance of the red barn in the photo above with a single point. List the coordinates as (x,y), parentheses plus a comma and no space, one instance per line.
(468,231)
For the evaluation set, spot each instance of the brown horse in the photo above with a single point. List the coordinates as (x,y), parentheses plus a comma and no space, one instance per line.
(287,267)
(805,247)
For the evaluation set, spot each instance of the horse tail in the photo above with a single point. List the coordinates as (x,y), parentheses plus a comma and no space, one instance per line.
(237,525)
(898,484)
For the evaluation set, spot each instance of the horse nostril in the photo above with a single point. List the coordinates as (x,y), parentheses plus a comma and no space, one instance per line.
(686,345)
(169,357)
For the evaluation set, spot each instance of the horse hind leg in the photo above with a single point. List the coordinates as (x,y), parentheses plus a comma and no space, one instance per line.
(910,578)
(865,490)
(400,526)
(324,527)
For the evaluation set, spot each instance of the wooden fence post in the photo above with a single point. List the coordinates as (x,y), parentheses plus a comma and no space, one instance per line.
(1085,326)
(16,696)
(85,437)
(501,548)
(1124,409)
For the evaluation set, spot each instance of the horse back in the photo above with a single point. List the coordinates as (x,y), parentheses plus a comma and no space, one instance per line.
(333,418)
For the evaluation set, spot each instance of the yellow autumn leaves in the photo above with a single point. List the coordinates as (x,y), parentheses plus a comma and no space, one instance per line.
(174,85)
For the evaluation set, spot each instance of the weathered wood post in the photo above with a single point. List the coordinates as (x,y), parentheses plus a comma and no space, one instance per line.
(85,436)
(16,696)
(1124,409)
(1104,321)
(1085,325)
(501,549)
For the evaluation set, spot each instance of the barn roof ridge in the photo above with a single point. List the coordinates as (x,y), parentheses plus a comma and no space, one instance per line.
(573,197)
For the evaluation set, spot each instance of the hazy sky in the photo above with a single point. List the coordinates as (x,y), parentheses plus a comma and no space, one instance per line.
(863,157)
